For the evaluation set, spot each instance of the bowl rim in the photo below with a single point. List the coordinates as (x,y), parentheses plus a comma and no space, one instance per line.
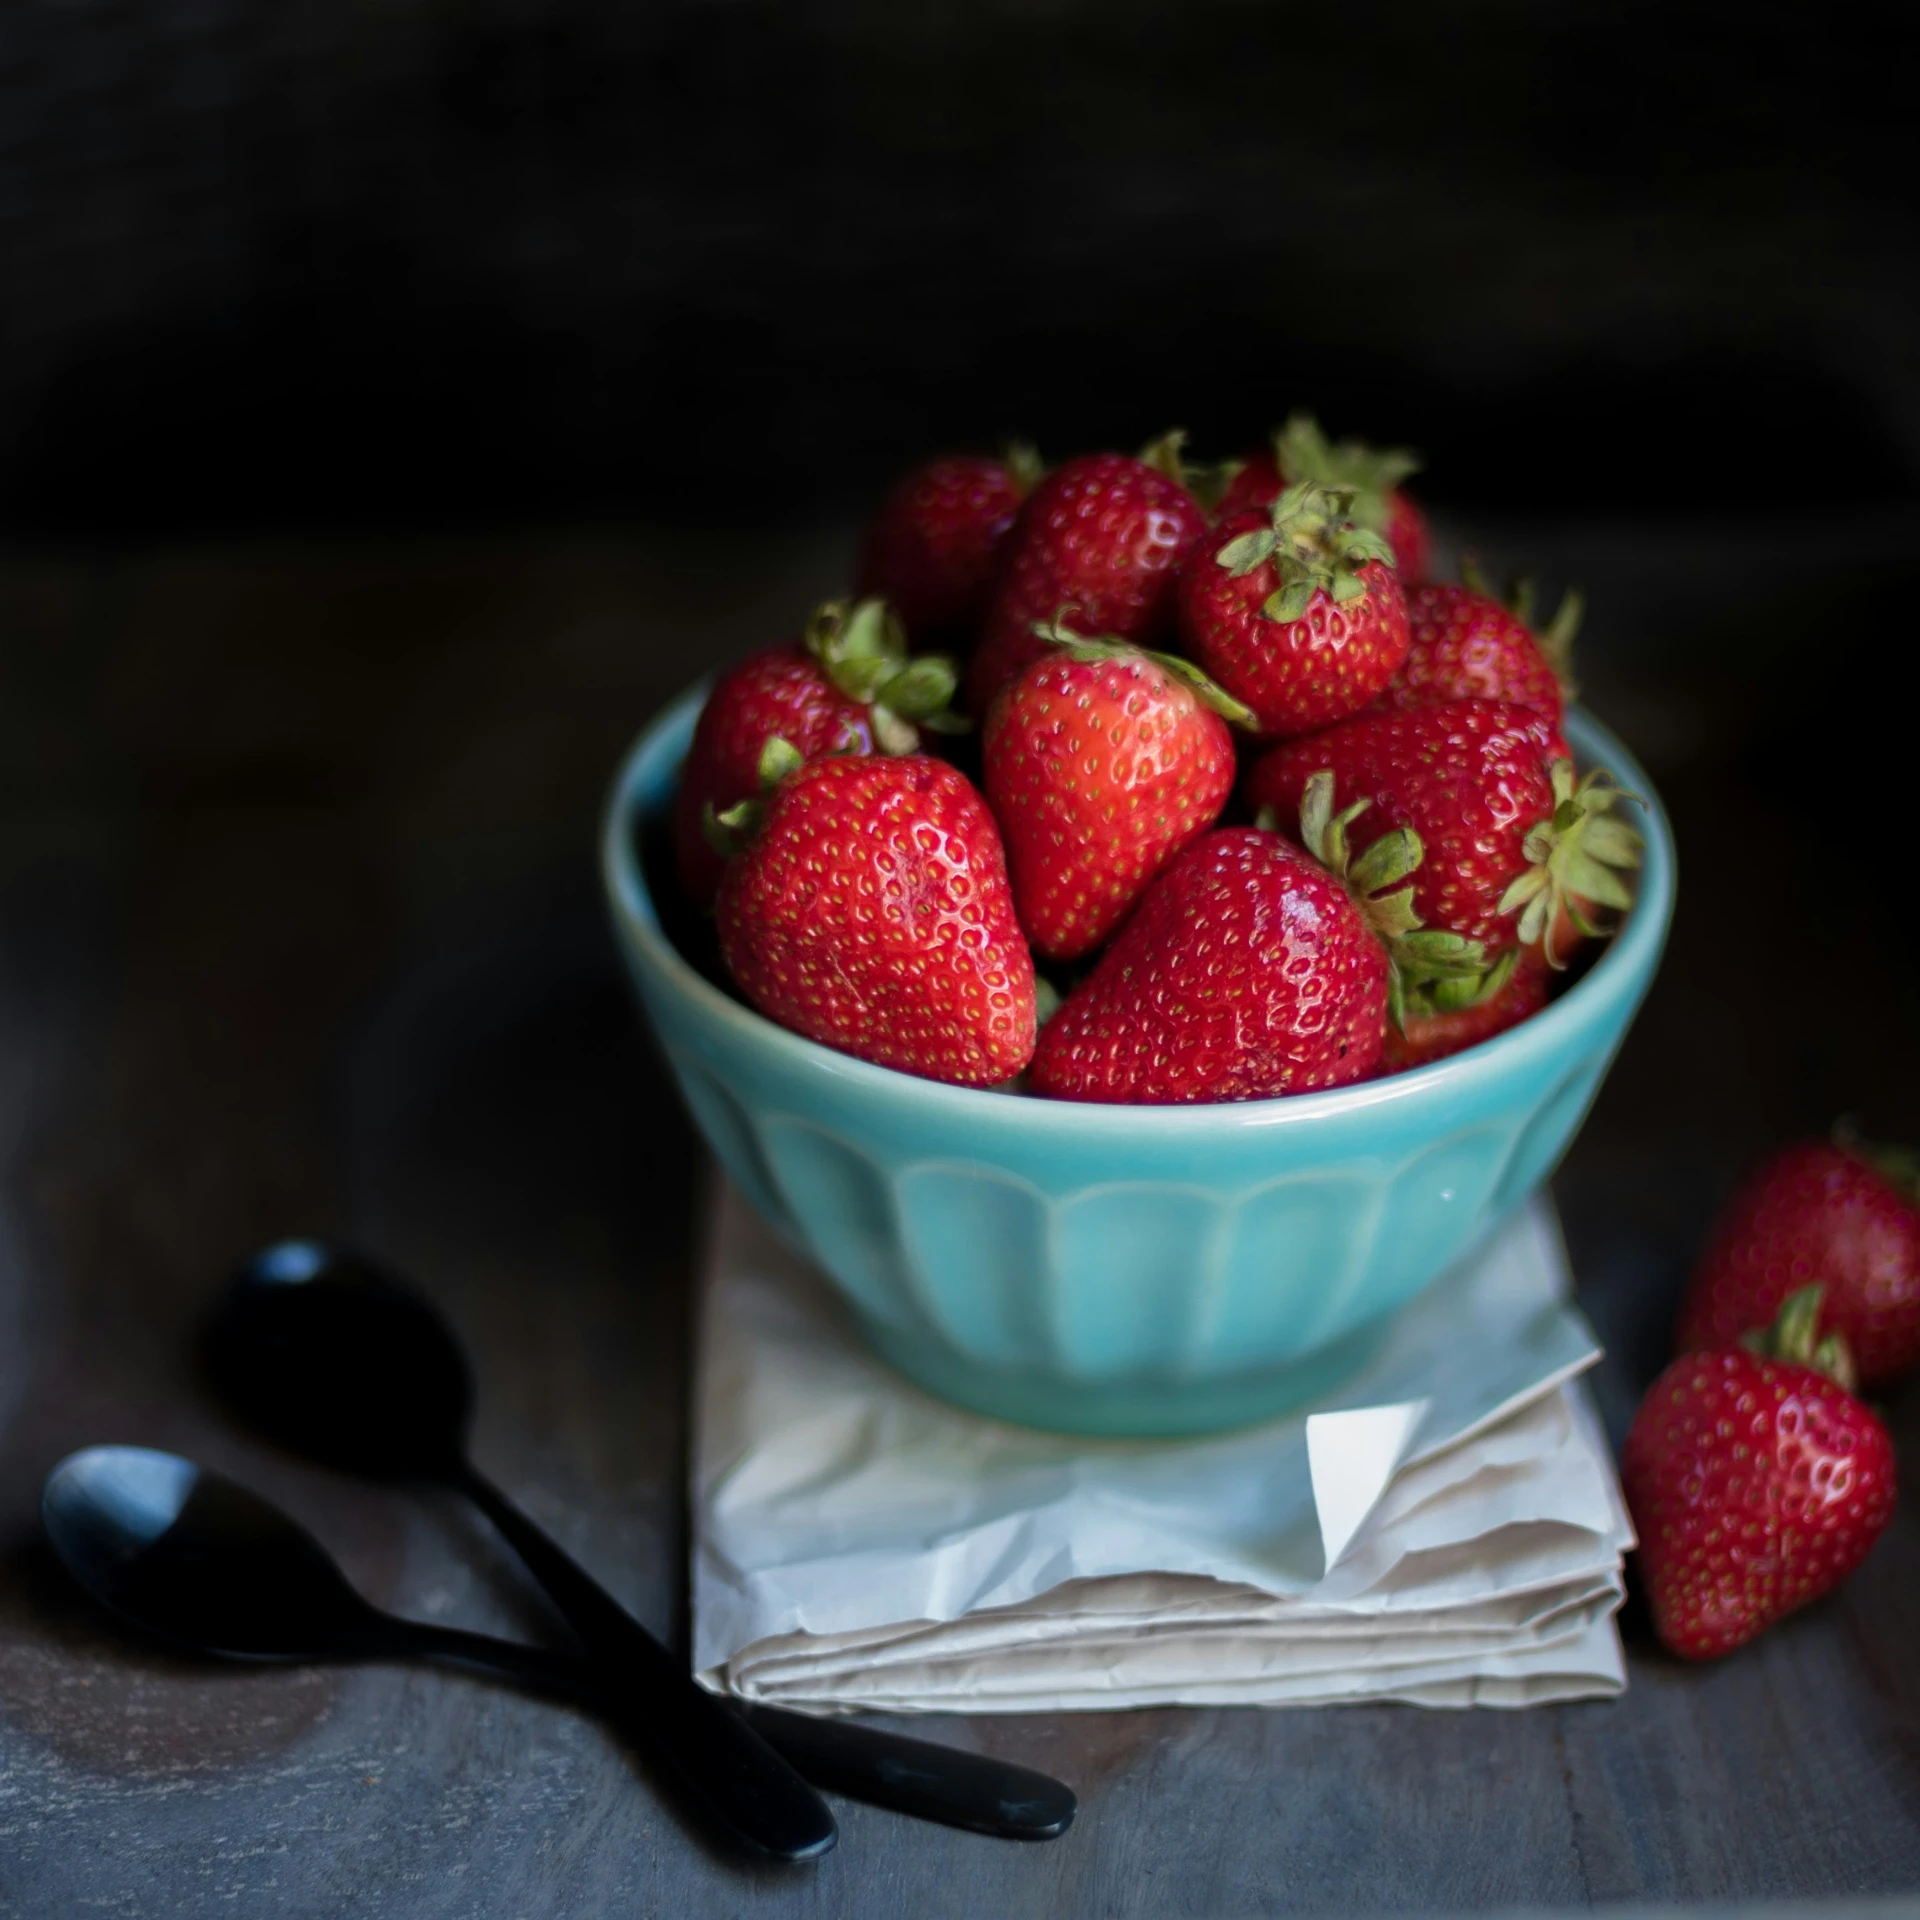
(1622,970)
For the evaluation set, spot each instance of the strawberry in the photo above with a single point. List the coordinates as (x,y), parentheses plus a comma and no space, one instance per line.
(1296,612)
(1757,1482)
(930,547)
(1448,1016)
(1380,504)
(1518,852)
(1816,1212)
(871,912)
(1247,970)
(1102,762)
(845,687)
(1466,645)
(1097,544)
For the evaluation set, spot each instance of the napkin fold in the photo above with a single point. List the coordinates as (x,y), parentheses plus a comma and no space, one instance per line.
(1445,1528)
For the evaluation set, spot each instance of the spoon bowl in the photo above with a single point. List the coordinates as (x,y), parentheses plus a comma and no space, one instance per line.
(198,1560)
(342,1362)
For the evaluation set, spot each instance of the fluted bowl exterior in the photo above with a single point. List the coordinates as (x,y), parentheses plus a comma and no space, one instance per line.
(1125,1270)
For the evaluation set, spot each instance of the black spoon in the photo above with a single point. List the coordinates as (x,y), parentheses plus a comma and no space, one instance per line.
(364,1375)
(196,1559)
(343,1362)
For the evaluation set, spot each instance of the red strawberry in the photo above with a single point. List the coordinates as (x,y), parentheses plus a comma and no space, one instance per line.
(1097,544)
(1380,504)
(1449,1016)
(930,547)
(1253,489)
(1824,1213)
(846,687)
(871,912)
(1295,612)
(1102,762)
(1517,852)
(1246,971)
(1465,645)
(1757,1483)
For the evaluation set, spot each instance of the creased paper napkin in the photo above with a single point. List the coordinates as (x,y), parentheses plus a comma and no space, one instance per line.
(1445,1528)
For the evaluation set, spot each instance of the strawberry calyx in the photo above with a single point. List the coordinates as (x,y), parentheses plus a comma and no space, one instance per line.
(1025,468)
(1205,481)
(1303,452)
(1082,647)
(733,827)
(861,647)
(1419,958)
(1555,638)
(1460,992)
(1898,1166)
(1313,546)
(1576,860)
(1795,1336)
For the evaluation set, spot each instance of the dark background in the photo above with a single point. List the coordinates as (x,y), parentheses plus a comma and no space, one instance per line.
(465,262)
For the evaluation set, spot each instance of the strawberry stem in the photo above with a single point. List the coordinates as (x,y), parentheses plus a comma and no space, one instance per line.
(1303,452)
(1078,646)
(1313,546)
(861,647)
(1577,856)
(1418,956)
(1795,1336)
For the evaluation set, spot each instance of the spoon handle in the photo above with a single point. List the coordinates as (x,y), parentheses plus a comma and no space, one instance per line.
(921,1777)
(746,1785)
(917,1777)
(392,1638)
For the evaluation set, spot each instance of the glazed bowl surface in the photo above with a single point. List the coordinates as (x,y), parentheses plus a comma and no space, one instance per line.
(1124,1270)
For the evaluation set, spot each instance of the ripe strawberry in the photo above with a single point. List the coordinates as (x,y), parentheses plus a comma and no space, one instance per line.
(1102,762)
(1756,1482)
(1380,504)
(1816,1212)
(871,913)
(1517,852)
(1296,612)
(1246,971)
(845,687)
(1448,1016)
(930,547)
(1097,544)
(1466,645)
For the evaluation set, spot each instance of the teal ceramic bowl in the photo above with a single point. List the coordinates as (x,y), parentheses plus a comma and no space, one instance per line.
(1125,1270)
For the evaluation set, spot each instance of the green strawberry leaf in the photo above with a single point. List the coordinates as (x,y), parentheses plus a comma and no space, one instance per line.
(1290,602)
(778,758)
(1245,552)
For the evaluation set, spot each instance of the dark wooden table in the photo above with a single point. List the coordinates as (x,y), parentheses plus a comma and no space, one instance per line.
(299,931)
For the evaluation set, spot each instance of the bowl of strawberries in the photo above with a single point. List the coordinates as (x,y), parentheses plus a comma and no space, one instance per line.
(1133,1000)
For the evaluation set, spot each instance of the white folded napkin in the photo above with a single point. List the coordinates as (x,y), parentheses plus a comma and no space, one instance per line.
(1445,1528)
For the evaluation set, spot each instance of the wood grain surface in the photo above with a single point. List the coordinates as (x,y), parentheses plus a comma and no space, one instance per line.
(299,932)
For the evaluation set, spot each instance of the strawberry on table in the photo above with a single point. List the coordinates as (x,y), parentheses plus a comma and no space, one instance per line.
(930,548)
(871,912)
(1466,645)
(1519,851)
(1296,612)
(846,686)
(1251,968)
(1101,763)
(1097,544)
(1381,504)
(1757,1483)
(1823,1212)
